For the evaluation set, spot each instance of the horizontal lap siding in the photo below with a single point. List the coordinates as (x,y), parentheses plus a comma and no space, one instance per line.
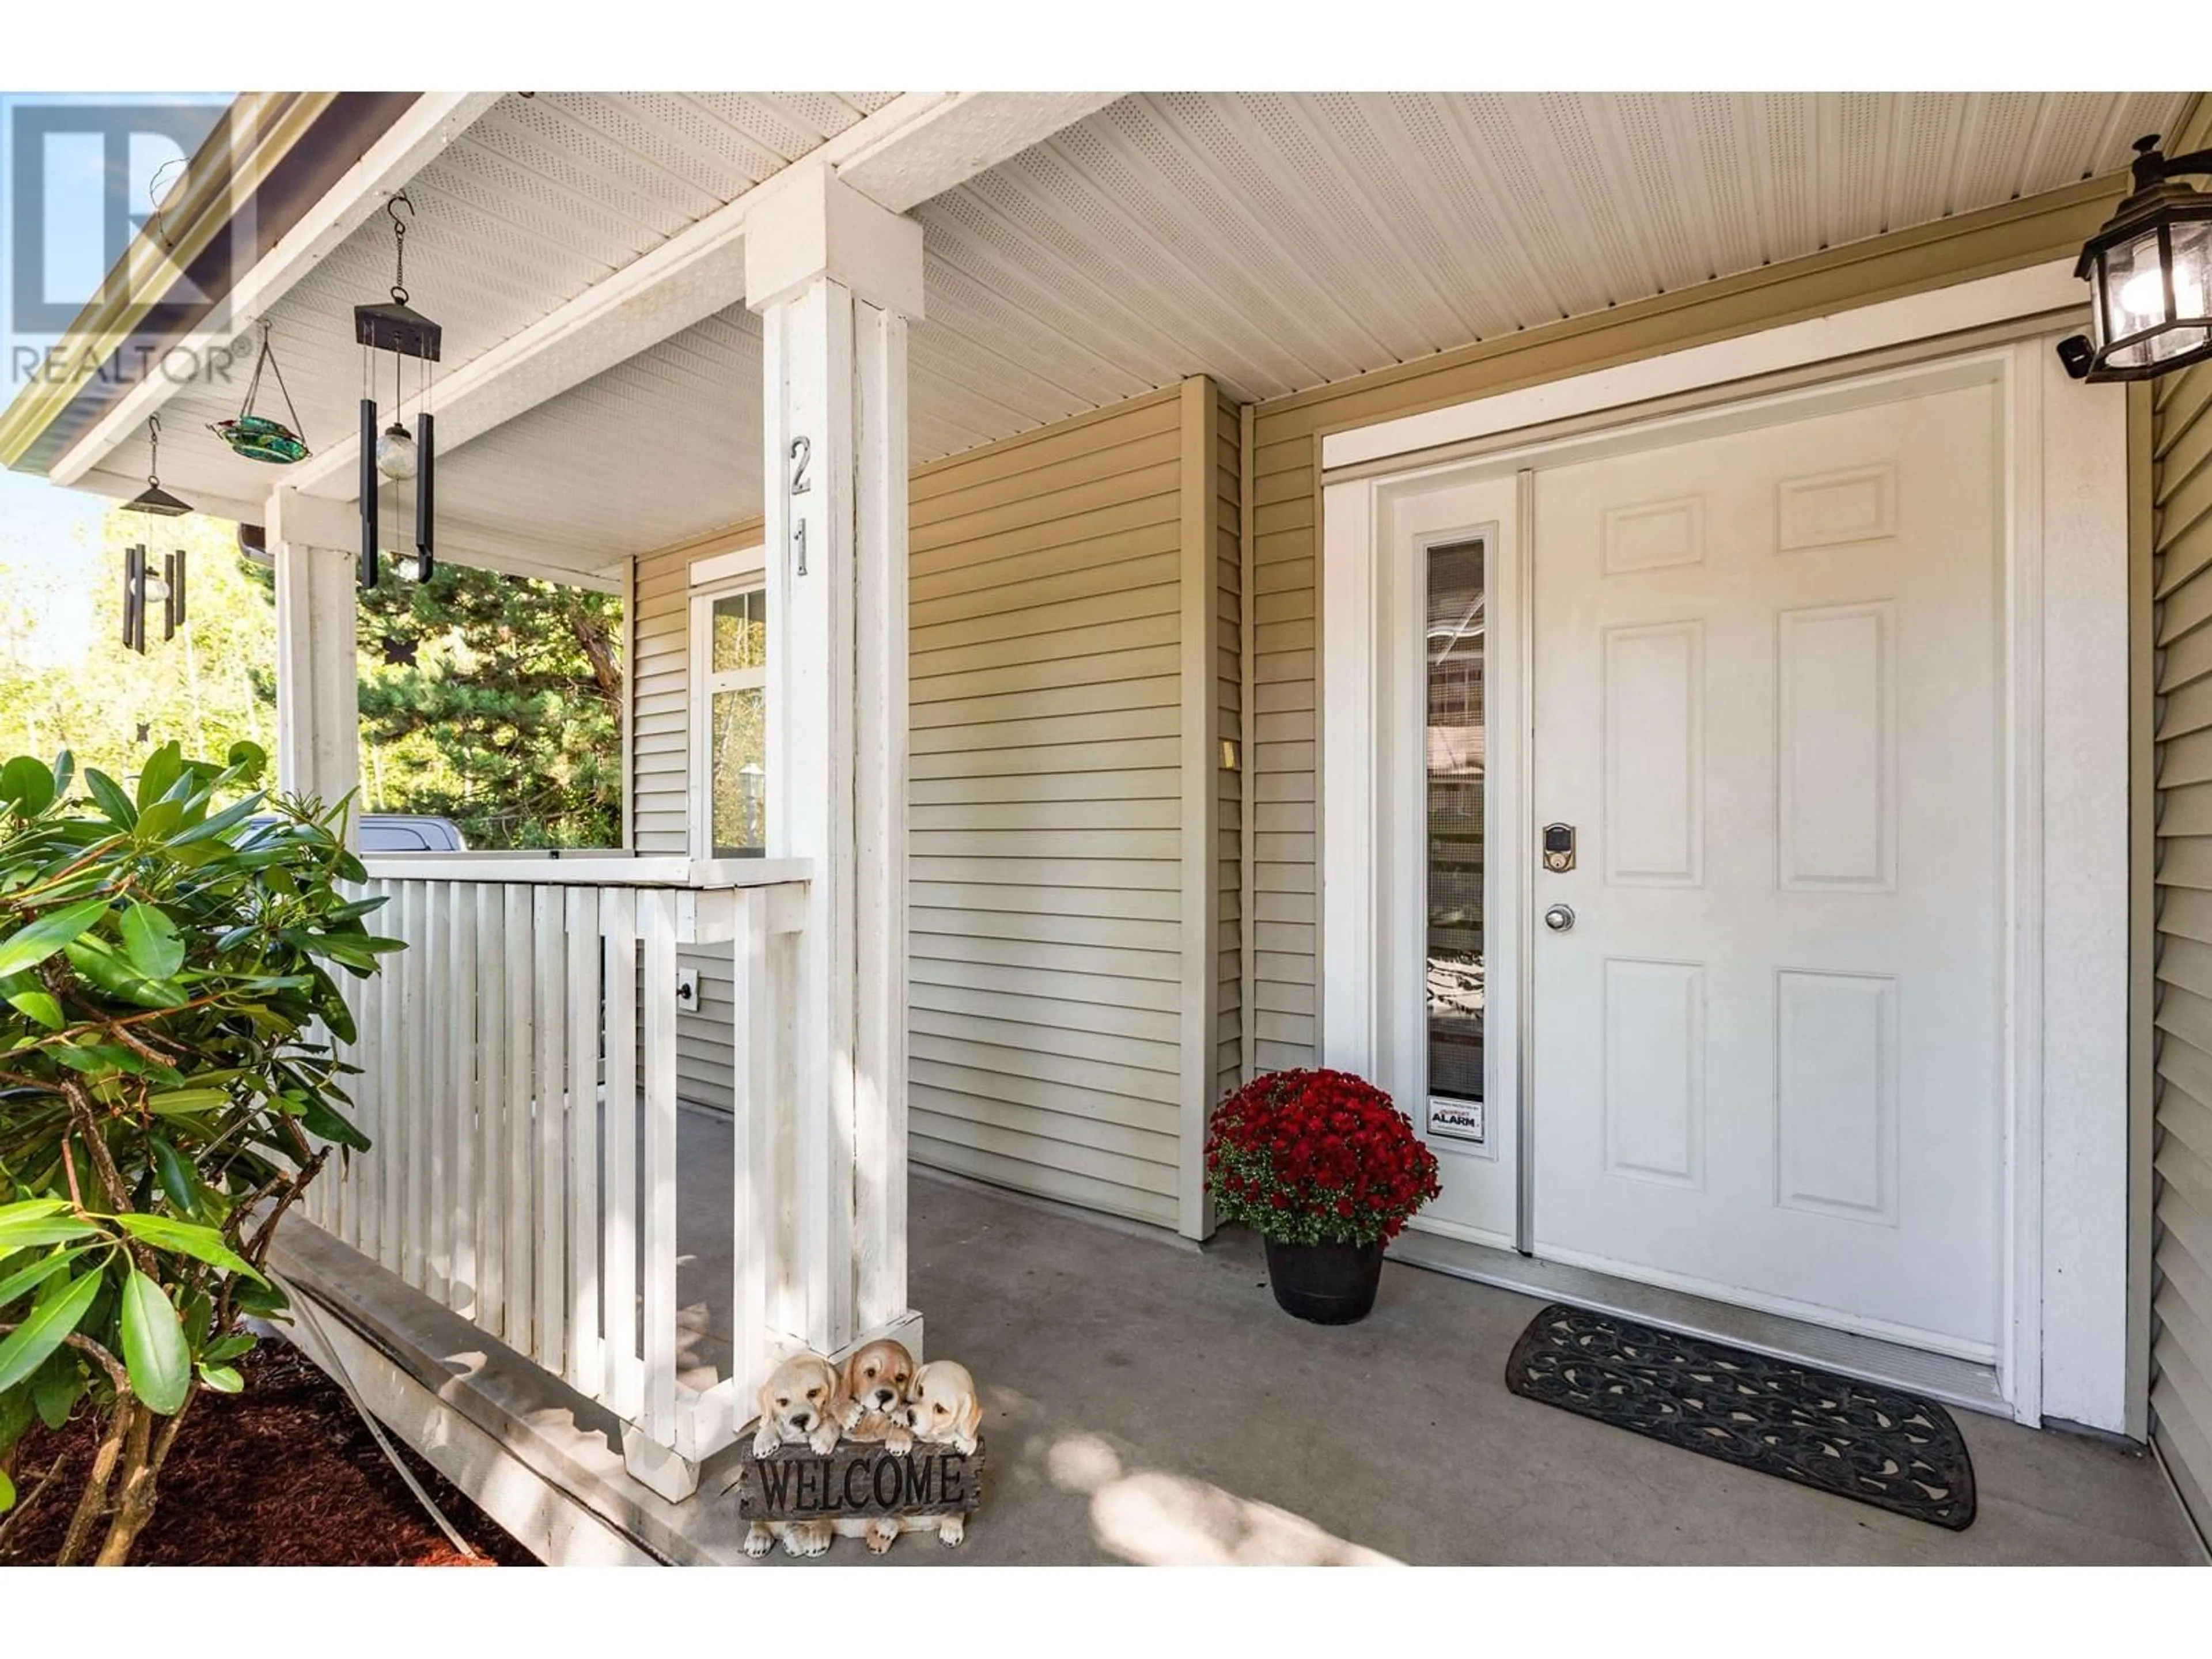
(1228,786)
(1286,520)
(2181,1294)
(1044,911)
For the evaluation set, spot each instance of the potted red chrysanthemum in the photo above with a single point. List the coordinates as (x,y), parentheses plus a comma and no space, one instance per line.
(1322,1166)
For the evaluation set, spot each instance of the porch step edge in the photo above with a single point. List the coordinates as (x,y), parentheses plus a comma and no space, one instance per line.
(488,1406)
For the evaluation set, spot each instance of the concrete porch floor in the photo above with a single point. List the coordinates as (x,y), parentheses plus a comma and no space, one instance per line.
(1146,1402)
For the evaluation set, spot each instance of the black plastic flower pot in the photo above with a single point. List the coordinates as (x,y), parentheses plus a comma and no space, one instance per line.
(1327,1284)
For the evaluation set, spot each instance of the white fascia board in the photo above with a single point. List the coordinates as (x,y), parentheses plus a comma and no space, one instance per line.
(430,123)
(2038,290)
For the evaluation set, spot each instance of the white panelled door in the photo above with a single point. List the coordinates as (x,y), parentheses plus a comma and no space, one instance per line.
(1766,1050)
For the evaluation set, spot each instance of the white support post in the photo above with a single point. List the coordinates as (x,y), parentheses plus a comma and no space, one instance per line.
(318,700)
(835,278)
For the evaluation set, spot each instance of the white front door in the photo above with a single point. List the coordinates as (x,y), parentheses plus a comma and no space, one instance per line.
(1765,1051)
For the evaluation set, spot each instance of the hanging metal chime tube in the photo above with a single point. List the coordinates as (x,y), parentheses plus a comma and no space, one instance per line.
(369,559)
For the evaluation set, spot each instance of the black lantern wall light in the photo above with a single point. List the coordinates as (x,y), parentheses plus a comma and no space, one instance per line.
(2149,271)
(391,454)
(139,585)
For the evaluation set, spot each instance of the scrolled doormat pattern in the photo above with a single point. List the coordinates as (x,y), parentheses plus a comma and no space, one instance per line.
(1859,1440)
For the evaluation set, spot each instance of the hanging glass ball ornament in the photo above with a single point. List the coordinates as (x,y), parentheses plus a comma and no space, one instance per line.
(396,455)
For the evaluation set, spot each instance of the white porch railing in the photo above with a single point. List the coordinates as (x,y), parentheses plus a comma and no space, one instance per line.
(519,1079)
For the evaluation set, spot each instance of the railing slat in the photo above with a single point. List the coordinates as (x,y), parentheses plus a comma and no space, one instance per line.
(491,1109)
(392,1098)
(521,1031)
(585,1367)
(423,1105)
(457,1198)
(550,978)
(618,918)
(753,1174)
(657,910)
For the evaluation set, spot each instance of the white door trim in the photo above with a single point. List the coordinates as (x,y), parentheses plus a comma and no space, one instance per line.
(2055,1005)
(2038,290)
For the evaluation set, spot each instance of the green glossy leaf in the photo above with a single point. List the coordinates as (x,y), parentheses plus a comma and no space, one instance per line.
(249,760)
(229,1348)
(113,973)
(7,1492)
(108,796)
(178,1180)
(236,813)
(57,1388)
(29,947)
(323,1122)
(26,786)
(159,819)
(172,1102)
(186,1238)
(64,773)
(24,1232)
(151,941)
(37,1273)
(163,768)
(224,1379)
(51,1318)
(25,997)
(154,1352)
(264,1301)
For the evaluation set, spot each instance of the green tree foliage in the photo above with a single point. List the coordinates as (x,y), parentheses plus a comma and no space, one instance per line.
(66,681)
(489,699)
(496,701)
(168,1089)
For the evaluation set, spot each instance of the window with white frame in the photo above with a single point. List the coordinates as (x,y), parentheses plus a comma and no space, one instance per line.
(729,720)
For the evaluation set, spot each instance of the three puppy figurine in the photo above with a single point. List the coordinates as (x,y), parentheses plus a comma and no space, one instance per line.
(881,1396)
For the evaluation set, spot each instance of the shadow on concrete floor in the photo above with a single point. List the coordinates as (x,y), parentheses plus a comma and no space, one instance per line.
(1147,1402)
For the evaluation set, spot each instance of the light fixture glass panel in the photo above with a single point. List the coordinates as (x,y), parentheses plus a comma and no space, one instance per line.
(740,772)
(1456,727)
(2134,287)
(741,631)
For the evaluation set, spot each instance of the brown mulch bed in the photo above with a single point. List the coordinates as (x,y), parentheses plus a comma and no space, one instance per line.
(282,1475)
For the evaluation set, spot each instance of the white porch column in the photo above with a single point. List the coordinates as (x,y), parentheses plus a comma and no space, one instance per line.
(317,694)
(834,278)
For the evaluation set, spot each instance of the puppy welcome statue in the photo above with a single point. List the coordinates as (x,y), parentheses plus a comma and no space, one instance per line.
(909,1458)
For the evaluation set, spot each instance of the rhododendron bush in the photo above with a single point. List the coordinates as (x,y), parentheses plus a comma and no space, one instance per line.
(1316,1157)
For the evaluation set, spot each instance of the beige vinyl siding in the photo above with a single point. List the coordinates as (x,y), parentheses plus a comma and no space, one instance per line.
(2181,1158)
(1046,908)
(1286,514)
(1229,784)
(660,790)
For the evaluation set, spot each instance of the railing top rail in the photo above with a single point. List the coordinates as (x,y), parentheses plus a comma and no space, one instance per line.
(596,870)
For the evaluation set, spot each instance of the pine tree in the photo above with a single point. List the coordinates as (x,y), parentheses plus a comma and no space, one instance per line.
(496,701)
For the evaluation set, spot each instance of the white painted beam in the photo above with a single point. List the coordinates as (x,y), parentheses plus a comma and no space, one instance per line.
(432,122)
(318,686)
(954,137)
(915,147)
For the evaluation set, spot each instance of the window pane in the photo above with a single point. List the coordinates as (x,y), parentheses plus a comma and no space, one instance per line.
(1456,653)
(741,631)
(740,760)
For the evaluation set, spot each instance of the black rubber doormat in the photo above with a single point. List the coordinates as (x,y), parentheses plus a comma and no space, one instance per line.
(1893,1451)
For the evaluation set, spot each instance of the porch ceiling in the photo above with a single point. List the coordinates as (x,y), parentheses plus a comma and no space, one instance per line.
(1278,242)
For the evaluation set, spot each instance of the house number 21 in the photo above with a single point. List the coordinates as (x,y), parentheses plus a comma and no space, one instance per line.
(802,452)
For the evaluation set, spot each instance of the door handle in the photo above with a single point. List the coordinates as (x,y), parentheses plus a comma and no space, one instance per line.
(1559,918)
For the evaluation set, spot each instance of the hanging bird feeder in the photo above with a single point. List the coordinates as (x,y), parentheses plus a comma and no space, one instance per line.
(155,500)
(262,437)
(393,455)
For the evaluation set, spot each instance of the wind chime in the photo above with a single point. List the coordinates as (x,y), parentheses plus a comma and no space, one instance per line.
(140,587)
(392,454)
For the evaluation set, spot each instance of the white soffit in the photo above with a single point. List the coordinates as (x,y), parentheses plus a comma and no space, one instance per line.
(540,199)
(1277,241)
